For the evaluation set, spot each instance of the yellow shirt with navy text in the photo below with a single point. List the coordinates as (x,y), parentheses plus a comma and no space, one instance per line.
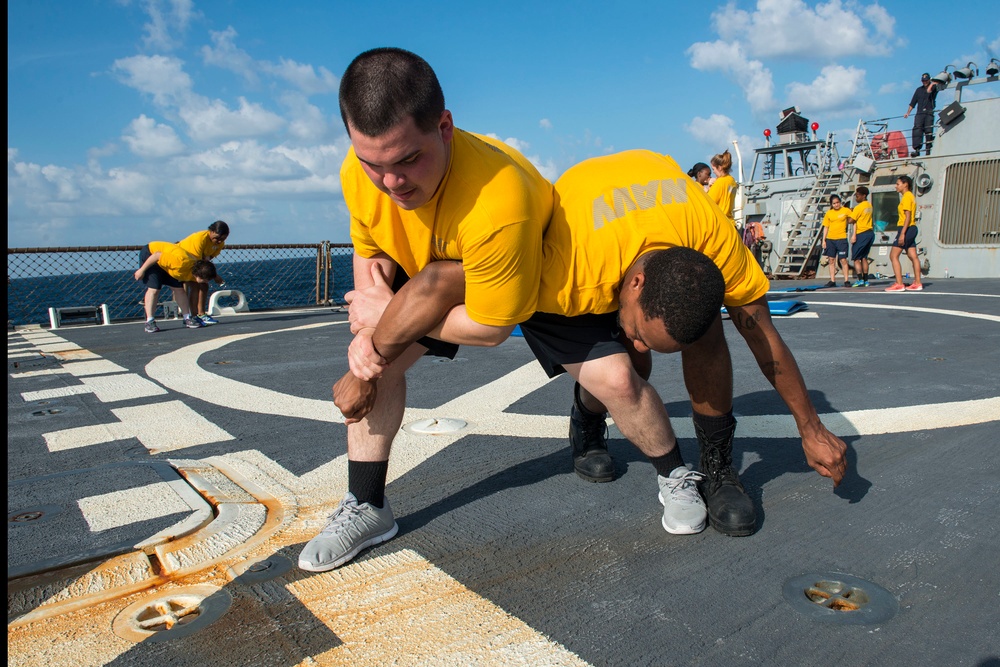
(174,260)
(907,203)
(723,193)
(489,212)
(201,246)
(862,215)
(610,210)
(835,222)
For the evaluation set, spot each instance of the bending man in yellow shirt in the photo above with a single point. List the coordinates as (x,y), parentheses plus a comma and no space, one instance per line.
(419,191)
(637,258)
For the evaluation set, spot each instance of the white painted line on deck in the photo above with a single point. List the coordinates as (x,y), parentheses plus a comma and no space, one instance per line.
(47,371)
(45,394)
(23,355)
(94,367)
(914,309)
(160,427)
(128,506)
(445,623)
(112,388)
(64,346)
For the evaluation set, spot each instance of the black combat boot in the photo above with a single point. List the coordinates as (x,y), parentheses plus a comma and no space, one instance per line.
(588,436)
(730,510)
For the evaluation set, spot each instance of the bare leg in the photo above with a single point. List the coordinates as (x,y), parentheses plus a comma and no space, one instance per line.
(149,302)
(371,438)
(632,402)
(180,296)
(912,254)
(897,270)
(708,373)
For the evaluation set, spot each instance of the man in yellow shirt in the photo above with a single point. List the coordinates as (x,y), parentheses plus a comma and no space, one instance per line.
(419,191)
(165,264)
(637,258)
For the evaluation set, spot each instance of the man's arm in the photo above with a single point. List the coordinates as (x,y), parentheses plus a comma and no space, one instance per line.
(824,451)
(152,259)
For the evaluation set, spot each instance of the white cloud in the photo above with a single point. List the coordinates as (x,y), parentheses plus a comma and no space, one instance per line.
(163,77)
(836,89)
(147,138)
(227,55)
(751,75)
(791,28)
(716,130)
(545,124)
(304,77)
(210,121)
(163,21)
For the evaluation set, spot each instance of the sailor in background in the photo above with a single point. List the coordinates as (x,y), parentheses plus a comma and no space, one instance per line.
(923,122)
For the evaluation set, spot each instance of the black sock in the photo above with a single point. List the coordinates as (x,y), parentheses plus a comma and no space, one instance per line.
(366,480)
(714,428)
(668,462)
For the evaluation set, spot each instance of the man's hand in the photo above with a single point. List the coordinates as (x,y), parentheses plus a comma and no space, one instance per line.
(365,361)
(354,398)
(825,453)
(138,274)
(367,305)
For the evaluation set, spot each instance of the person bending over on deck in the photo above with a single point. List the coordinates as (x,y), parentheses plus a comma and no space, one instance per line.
(204,245)
(420,190)
(165,264)
(636,258)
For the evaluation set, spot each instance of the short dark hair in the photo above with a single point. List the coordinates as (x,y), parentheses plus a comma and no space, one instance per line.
(862,189)
(203,269)
(381,87)
(684,288)
(219,227)
(906,179)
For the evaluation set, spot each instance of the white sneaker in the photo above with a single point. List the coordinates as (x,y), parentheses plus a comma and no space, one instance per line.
(683,508)
(352,527)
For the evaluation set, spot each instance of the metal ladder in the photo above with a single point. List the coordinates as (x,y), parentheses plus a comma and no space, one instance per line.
(803,237)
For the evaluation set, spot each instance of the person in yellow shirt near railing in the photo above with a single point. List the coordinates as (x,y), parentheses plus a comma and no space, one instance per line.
(723,189)
(862,235)
(906,238)
(204,245)
(835,240)
(163,264)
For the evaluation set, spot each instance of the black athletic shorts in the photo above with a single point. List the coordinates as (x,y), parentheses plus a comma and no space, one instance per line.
(836,248)
(557,339)
(155,277)
(435,347)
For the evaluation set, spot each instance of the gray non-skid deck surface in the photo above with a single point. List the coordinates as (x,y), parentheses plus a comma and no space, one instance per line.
(588,565)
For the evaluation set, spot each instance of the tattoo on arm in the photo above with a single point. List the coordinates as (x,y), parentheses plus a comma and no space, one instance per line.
(745,321)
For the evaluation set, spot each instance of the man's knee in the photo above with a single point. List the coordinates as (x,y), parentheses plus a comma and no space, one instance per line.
(617,381)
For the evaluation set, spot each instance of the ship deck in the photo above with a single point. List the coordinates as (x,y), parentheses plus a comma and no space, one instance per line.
(179,475)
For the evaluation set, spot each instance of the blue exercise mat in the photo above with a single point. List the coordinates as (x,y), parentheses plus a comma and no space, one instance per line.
(807,288)
(783,307)
(517,331)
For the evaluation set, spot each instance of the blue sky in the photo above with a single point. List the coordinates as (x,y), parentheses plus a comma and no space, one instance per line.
(131,121)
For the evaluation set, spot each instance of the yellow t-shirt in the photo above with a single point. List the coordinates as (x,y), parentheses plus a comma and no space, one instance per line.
(836,223)
(907,203)
(174,260)
(200,245)
(611,210)
(723,193)
(489,212)
(862,216)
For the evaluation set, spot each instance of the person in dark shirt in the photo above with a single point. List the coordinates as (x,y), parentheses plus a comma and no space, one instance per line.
(923,121)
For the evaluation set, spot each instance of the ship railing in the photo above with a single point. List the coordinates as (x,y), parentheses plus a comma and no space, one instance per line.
(270,276)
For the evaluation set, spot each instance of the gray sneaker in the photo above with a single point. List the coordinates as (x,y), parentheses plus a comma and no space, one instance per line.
(352,527)
(683,509)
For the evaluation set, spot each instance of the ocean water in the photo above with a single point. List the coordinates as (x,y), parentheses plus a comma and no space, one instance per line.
(267,285)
